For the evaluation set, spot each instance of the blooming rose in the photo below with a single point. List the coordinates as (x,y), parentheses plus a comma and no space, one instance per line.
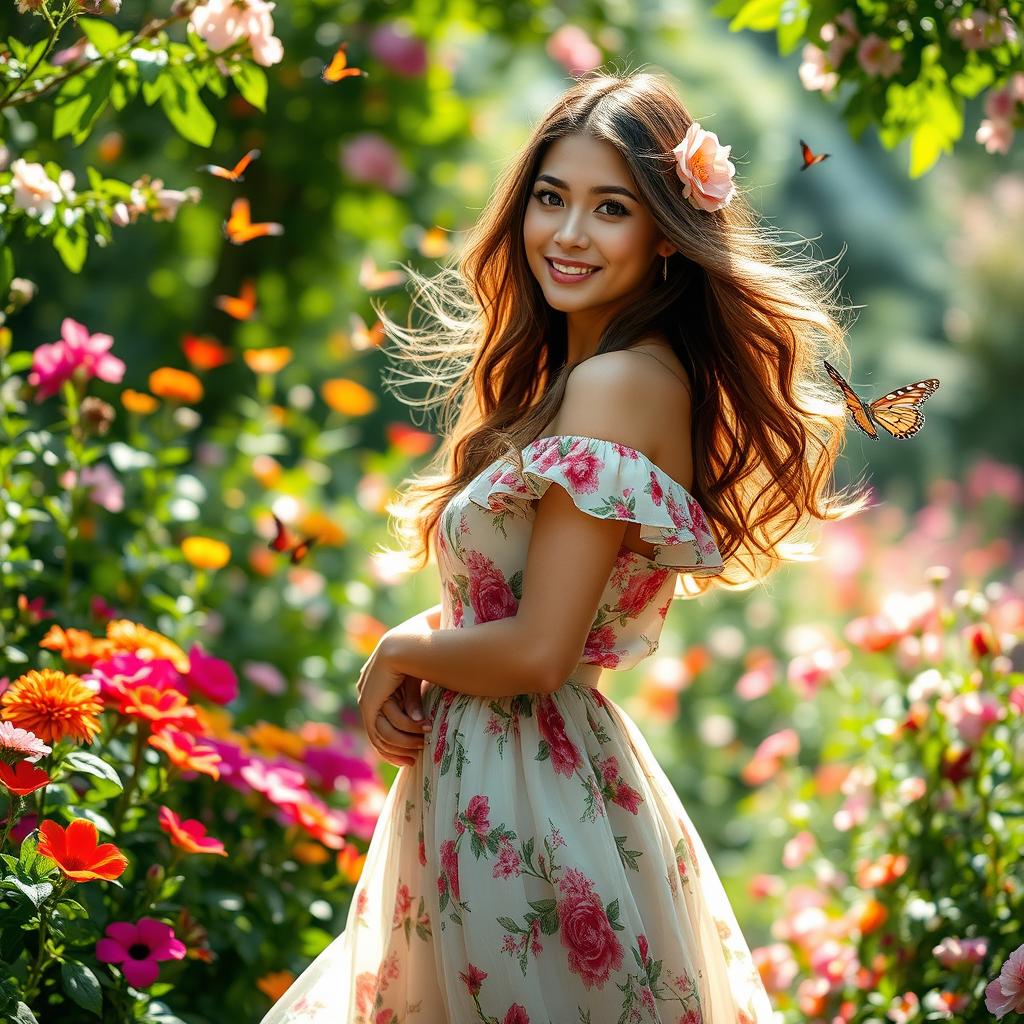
(704,167)
(489,592)
(565,758)
(585,931)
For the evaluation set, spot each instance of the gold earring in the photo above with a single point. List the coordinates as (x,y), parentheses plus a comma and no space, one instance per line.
(664,270)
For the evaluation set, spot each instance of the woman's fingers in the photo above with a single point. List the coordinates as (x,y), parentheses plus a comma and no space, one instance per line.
(401,721)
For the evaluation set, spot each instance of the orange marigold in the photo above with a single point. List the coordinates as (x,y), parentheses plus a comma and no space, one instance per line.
(176,385)
(205,552)
(53,705)
(267,360)
(348,397)
(139,402)
(132,638)
(77,646)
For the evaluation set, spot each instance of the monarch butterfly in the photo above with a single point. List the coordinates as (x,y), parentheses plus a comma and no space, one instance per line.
(810,158)
(237,173)
(239,229)
(898,412)
(338,68)
(242,306)
(284,540)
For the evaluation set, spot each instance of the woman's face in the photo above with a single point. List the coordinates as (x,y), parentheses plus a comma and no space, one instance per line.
(584,208)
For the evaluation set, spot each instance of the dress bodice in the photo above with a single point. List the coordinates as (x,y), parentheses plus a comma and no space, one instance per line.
(483,536)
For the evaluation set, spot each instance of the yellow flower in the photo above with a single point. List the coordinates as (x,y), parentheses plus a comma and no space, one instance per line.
(205,552)
(348,397)
(177,385)
(53,705)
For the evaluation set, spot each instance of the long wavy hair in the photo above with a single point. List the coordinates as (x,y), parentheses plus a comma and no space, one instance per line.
(750,318)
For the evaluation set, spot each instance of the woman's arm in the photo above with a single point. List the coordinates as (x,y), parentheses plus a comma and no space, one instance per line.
(489,659)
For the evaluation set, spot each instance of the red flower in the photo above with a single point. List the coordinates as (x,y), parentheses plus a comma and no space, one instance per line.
(184,751)
(586,932)
(473,977)
(159,707)
(23,778)
(565,758)
(76,852)
(189,835)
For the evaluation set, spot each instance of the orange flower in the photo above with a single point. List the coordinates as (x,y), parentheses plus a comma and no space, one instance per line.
(139,402)
(76,853)
(184,751)
(311,853)
(275,984)
(888,867)
(348,397)
(176,385)
(77,646)
(189,835)
(350,862)
(204,353)
(159,708)
(205,552)
(267,360)
(266,469)
(132,638)
(23,778)
(53,705)
(272,739)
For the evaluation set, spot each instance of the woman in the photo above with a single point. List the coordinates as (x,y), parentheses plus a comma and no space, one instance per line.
(633,336)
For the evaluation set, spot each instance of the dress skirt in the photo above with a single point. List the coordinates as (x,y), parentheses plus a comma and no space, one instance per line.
(534,866)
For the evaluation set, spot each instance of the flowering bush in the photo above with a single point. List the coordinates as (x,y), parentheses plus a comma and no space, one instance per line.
(910,75)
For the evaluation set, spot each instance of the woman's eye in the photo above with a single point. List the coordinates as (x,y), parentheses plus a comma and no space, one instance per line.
(620,211)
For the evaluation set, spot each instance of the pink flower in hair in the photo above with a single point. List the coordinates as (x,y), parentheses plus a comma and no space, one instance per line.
(704,167)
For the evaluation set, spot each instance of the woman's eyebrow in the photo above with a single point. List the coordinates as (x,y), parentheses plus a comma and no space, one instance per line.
(617,190)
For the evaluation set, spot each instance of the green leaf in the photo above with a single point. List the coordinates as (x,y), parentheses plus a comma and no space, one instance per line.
(36,893)
(81,100)
(792,24)
(82,986)
(90,764)
(72,245)
(23,1015)
(251,82)
(185,110)
(101,34)
(6,270)
(942,124)
(759,15)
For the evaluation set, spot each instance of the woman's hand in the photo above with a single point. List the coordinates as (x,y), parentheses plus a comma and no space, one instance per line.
(387,702)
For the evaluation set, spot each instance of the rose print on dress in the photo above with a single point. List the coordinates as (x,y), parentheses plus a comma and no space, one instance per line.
(489,593)
(565,758)
(587,929)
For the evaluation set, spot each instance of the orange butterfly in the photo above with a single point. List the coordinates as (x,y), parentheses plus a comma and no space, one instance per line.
(237,172)
(242,306)
(284,540)
(239,229)
(810,159)
(338,68)
(898,412)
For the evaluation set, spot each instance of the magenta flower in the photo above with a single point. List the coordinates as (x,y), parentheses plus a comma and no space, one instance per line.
(213,678)
(77,350)
(138,948)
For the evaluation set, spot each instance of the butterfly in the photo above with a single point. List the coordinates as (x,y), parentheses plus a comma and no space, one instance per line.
(810,159)
(242,306)
(373,280)
(237,173)
(898,412)
(239,229)
(285,540)
(338,68)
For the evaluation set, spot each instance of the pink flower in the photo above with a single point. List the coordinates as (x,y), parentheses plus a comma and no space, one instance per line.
(222,23)
(138,948)
(981,30)
(704,167)
(266,676)
(35,191)
(995,135)
(877,57)
(809,672)
(214,678)
(776,965)
(370,158)
(565,758)
(971,714)
(585,931)
(104,489)
(571,47)
(20,744)
(77,351)
(117,675)
(952,952)
(814,72)
(1006,993)
(903,1008)
(798,849)
(640,591)
(489,592)
(450,866)
(396,48)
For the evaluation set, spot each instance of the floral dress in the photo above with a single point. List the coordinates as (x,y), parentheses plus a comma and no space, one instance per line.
(535,865)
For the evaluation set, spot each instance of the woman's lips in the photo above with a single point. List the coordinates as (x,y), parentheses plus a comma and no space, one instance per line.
(561,278)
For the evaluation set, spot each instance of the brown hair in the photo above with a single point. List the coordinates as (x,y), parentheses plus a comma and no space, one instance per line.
(750,319)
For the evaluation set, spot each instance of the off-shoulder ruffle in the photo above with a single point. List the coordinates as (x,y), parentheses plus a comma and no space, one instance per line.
(608,481)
